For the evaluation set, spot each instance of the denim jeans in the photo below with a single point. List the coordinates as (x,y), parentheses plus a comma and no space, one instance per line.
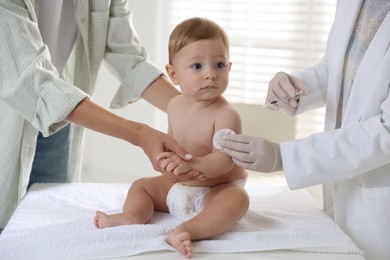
(51,158)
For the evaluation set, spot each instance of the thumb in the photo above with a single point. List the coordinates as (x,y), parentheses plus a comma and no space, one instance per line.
(300,85)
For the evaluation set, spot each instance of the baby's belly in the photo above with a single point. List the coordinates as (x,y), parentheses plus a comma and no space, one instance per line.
(235,175)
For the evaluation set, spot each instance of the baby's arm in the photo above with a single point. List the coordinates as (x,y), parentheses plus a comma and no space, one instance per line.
(173,164)
(214,164)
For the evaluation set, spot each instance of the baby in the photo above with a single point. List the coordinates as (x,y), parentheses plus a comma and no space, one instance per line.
(199,64)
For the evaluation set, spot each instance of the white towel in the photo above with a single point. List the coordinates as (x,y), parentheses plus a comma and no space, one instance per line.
(55,221)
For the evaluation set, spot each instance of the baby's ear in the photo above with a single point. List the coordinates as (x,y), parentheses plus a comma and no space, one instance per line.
(171,73)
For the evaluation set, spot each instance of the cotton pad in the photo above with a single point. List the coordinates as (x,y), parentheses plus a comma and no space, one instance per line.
(219,135)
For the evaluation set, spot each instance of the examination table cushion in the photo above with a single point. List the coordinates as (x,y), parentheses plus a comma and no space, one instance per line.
(55,221)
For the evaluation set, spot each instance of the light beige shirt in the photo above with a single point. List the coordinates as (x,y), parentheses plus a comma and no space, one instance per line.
(32,96)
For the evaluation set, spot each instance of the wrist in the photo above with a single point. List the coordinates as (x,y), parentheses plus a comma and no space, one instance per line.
(278,163)
(135,132)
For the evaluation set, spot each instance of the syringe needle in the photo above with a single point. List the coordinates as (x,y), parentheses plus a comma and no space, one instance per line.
(274,102)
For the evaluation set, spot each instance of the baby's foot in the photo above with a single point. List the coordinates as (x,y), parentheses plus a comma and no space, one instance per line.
(102,220)
(181,242)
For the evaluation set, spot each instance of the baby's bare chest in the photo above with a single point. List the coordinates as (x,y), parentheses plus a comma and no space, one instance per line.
(194,131)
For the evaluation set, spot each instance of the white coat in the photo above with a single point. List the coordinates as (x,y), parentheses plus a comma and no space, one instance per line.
(353,161)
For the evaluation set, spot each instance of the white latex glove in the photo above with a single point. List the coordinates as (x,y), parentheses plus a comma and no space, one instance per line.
(286,87)
(252,153)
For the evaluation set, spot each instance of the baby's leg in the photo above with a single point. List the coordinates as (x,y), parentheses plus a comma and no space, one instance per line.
(144,196)
(224,205)
(102,220)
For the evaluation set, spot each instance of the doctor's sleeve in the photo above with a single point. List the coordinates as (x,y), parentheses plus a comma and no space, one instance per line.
(336,155)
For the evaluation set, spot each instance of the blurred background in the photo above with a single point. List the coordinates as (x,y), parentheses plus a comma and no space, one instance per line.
(266,36)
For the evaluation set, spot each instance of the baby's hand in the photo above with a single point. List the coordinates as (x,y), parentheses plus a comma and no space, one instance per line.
(174,164)
(178,169)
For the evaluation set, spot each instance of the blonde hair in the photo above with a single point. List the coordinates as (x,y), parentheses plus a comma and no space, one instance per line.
(192,30)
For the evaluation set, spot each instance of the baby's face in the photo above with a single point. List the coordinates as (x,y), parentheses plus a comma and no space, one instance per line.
(202,69)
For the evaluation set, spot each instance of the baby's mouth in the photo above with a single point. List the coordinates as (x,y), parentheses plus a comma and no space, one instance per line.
(209,87)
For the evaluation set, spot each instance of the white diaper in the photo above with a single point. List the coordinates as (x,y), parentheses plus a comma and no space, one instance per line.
(218,136)
(184,202)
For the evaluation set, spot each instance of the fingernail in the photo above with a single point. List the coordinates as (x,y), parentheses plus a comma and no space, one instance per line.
(201,178)
(195,174)
(188,156)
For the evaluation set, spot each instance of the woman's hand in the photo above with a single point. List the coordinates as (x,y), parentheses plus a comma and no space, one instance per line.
(154,142)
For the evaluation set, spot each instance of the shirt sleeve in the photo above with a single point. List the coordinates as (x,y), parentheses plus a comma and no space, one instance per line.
(315,78)
(336,155)
(29,82)
(126,58)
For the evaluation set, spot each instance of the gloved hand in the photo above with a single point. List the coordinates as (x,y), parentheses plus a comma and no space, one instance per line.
(283,85)
(252,153)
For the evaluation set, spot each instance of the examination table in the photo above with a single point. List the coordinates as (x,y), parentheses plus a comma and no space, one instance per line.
(55,221)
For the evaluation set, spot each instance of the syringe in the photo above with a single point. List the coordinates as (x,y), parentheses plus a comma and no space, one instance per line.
(274,102)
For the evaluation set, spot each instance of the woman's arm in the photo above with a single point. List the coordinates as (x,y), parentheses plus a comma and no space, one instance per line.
(128,60)
(153,142)
(160,92)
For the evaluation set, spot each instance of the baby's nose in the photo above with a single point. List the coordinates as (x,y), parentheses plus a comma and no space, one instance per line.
(210,74)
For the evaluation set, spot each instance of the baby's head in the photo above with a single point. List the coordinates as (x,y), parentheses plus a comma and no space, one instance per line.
(199,59)
(192,30)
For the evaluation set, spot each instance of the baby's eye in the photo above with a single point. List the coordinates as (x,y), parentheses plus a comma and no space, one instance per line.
(196,66)
(220,65)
